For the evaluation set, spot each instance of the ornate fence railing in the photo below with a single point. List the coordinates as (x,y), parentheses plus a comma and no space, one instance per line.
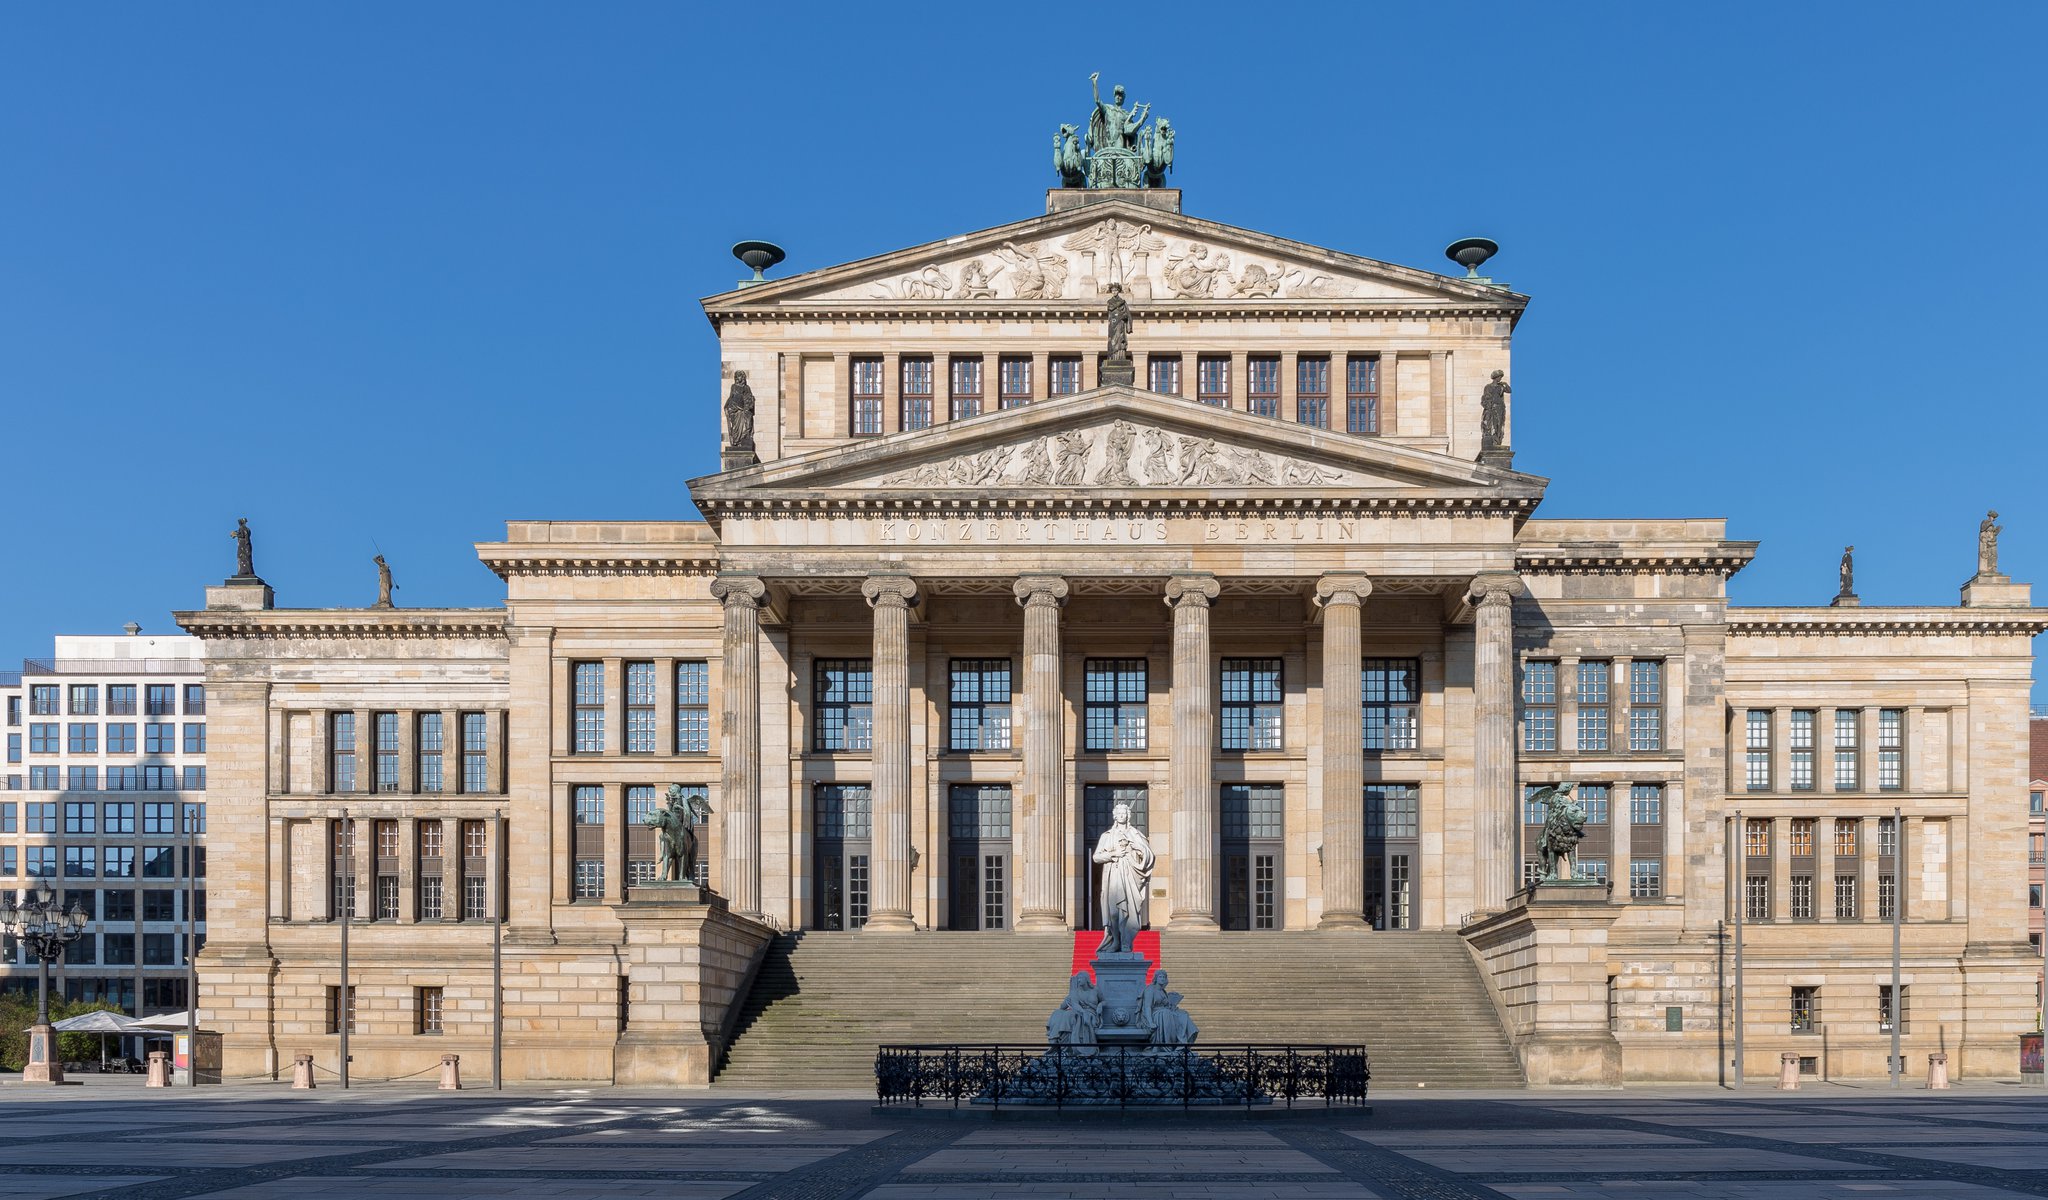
(1243,1075)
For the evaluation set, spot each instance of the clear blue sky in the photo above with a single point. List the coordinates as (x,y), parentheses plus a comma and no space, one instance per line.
(386,275)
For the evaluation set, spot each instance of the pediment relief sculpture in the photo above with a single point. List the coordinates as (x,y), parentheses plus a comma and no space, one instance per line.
(1122,454)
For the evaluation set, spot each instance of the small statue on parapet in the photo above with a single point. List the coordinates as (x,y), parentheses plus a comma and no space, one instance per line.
(1848,573)
(1987,543)
(384,586)
(245,550)
(1493,413)
(1564,825)
(739,415)
(675,825)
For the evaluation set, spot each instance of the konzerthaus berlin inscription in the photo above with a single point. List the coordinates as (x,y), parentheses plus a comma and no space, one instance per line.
(958,593)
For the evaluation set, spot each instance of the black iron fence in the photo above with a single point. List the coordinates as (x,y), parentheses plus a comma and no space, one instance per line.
(1245,1075)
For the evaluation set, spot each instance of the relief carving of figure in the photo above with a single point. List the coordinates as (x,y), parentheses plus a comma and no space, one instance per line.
(975,281)
(1192,274)
(1987,544)
(1252,467)
(1034,276)
(928,284)
(1302,285)
(1257,282)
(739,414)
(1036,466)
(1116,458)
(1293,471)
(986,467)
(1073,459)
(1493,413)
(1195,454)
(1159,459)
(1112,240)
(1125,855)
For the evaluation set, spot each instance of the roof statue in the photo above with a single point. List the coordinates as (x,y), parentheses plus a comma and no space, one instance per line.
(1118,150)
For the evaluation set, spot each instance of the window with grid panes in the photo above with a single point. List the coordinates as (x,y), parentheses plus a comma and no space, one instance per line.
(429,734)
(120,700)
(1887,838)
(1845,837)
(1801,893)
(476,758)
(428,1004)
(384,732)
(84,738)
(1848,749)
(1645,878)
(159,737)
(1312,391)
(864,417)
(121,737)
(160,700)
(195,699)
(334,1009)
(980,811)
(640,688)
(589,805)
(42,700)
(341,742)
(1800,837)
(1392,811)
(1887,896)
(81,779)
(587,690)
(476,903)
(966,387)
(589,879)
(1390,693)
(1756,897)
(1756,838)
(843,810)
(1646,704)
(1163,371)
(693,707)
(1114,704)
(1646,804)
(387,839)
(195,737)
(1013,382)
(1805,1009)
(387,898)
(1593,798)
(1845,897)
(1884,1008)
(1361,394)
(1252,704)
(43,738)
(642,802)
(1595,675)
(1799,751)
(1262,385)
(1539,706)
(915,396)
(1533,810)
(118,817)
(85,699)
(1063,375)
(978,715)
(1212,380)
(842,704)
(432,896)
(1757,750)
(1891,749)
(475,839)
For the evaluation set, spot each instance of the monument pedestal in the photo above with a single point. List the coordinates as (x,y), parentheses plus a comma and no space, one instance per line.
(246,593)
(1547,956)
(43,1065)
(1120,980)
(1124,373)
(1996,591)
(689,963)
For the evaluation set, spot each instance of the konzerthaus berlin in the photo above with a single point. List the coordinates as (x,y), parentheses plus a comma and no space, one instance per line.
(965,582)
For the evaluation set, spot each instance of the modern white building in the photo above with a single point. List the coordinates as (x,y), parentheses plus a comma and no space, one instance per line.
(105,804)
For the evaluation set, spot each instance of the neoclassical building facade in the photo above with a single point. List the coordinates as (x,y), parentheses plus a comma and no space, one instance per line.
(964,583)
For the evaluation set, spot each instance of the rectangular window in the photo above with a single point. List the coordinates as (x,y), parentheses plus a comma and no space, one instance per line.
(14,747)
(1799,748)
(1212,380)
(475,841)
(159,862)
(119,949)
(842,693)
(1533,811)
(1756,897)
(81,816)
(865,417)
(384,729)
(476,755)
(427,1003)
(43,738)
(640,687)
(1845,836)
(10,861)
(1645,878)
(41,860)
(123,779)
(81,862)
(9,823)
(916,395)
(1539,706)
(13,711)
(589,805)
(81,779)
(195,699)
(1646,804)
(1361,394)
(1312,391)
(120,699)
(979,710)
(1392,811)
(1802,897)
(429,735)
(1593,798)
(84,738)
(1390,693)
(1845,898)
(85,700)
(2035,802)
(966,387)
(1252,704)
(431,896)
(1595,676)
(1013,382)
(42,816)
(1887,837)
(844,811)
(1592,868)
(476,904)
(161,700)
(341,743)
(1887,896)
(1262,385)
(160,818)
(1646,704)
(119,905)
(693,707)
(42,699)
(121,737)
(979,812)
(1801,837)
(334,1009)
(118,817)
(1805,1009)
(159,949)
(641,803)
(195,737)
(1848,749)
(159,738)
(1164,370)
(590,879)
(1756,837)
(387,898)
(1114,704)
(2037,849)
(1064,371)
(1757,750)
(588,684)
(1891,749)
(1885,1010)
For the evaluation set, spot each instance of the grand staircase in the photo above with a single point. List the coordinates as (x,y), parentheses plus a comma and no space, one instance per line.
(824,1001)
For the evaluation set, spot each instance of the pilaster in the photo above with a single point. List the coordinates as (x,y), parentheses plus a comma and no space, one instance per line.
(1193,885)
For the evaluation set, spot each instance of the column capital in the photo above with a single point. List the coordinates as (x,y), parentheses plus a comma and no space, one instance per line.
(1034,590)
(889,591)
(1196,590)
(739,591)
(1495,588)
(1342,590)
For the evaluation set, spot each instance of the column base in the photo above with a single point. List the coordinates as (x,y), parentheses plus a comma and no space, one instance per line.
(1041,923)
(43,1065)
(1344,922)
(1193,923)
(889,923)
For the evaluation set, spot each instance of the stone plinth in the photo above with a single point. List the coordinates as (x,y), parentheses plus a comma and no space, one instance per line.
(1123,372)
(689,963)
(1547,955)
(159,1070)
(1996,591)
(245,592)
(1120,978)
(1063,199)
(44,1066)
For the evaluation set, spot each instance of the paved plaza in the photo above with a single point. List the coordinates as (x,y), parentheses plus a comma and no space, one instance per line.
(113,1139)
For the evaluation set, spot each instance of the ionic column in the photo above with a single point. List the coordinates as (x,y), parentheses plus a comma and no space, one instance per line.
(1193,888)
(1342,598)
(891,597)
(1042,809)
(739,742)
(1495,819)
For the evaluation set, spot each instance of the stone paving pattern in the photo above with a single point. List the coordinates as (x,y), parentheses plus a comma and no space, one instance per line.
(110,1140)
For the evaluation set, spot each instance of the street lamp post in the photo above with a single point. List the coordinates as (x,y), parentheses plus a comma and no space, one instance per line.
(45,928)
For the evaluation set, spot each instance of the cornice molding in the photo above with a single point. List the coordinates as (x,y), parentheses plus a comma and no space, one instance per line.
(1091,313)
(1816,622)
(603,563)
(969,504)
(1723,562)
(362,623)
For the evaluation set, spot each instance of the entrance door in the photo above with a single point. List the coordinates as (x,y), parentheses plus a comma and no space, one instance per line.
(1251,855)
(980,875)
(1392,854)
(843,843)
(1098,806)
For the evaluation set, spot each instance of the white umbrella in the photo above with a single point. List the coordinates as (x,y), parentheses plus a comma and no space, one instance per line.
(101,1022)
(176,1020)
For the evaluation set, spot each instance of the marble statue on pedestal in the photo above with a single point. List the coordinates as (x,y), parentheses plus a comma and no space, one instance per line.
(1126,857)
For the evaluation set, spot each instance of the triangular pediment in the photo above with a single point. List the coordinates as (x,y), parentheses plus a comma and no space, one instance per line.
(1108,442)
(1073,256)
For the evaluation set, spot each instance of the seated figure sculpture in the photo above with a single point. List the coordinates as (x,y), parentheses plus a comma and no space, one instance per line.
(1162,1011)
(1074,1022)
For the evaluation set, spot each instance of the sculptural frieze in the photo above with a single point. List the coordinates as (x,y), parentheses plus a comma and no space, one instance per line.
(1122,454)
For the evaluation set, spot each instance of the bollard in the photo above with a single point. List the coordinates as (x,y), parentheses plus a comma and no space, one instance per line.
(451,1072)
(302,1071)
(1937,1072)
(1788,1072)
(159,1069)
